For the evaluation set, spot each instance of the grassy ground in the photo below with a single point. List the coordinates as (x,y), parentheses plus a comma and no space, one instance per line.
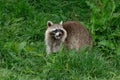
(22,49)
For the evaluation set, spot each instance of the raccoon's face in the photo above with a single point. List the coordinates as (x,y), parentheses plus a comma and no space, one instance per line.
(57,33)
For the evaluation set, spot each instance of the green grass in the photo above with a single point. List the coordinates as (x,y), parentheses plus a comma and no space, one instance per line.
(22,49)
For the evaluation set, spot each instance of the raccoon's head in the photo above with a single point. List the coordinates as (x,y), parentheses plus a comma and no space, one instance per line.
(56,31)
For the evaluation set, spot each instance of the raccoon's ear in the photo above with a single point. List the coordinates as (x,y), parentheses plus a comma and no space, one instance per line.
(49,23)
(61,22)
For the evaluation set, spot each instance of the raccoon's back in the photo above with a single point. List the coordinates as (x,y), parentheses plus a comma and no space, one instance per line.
(77,35)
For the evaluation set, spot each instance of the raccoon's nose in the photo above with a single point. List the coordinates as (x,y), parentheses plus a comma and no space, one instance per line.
(58,35)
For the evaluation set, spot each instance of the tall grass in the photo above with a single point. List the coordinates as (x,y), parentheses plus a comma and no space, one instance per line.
(22,49)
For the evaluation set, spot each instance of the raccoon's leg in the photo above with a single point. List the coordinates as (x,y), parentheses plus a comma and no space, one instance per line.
(49,47)
(48,50)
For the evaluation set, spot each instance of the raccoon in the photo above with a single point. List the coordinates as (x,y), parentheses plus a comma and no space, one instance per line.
(55,35)
(71,33)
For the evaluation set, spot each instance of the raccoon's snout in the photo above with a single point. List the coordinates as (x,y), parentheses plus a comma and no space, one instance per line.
(58,34)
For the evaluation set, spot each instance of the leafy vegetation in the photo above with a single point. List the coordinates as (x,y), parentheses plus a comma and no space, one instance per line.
(22,49)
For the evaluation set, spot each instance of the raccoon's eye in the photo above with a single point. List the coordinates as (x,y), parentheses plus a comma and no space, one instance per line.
(62,32)
(59,30)
(55,31)
(52,33)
